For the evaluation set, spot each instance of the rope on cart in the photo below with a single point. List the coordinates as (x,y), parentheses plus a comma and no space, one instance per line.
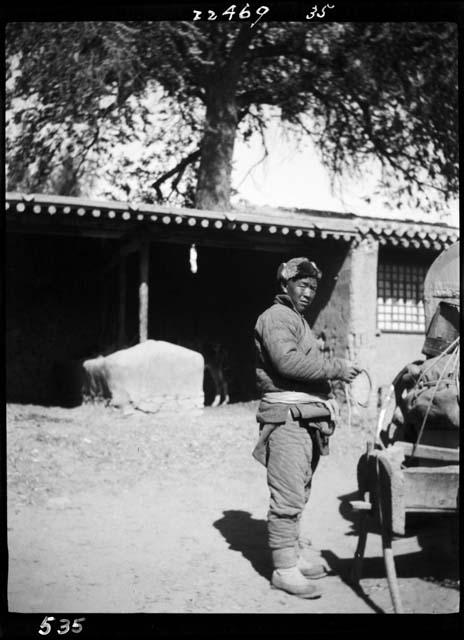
(442,375)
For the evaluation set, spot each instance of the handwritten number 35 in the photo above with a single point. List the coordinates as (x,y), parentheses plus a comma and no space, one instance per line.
(65,625)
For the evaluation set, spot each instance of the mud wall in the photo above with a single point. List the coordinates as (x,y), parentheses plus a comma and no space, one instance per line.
(394,349)
(333,317)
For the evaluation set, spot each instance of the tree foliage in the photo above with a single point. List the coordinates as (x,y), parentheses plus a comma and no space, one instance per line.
(78,93)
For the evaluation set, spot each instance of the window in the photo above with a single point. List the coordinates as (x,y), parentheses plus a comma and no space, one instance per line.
(400,301)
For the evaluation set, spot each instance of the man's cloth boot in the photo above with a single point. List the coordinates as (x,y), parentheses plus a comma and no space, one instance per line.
(309,561)
(292,581)
(311,570)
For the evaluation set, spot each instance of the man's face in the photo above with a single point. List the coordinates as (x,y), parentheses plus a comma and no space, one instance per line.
(301,292)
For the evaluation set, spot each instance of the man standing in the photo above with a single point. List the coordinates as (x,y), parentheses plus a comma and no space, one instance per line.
(297,413)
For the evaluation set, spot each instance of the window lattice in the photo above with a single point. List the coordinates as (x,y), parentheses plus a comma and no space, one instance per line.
(400,305)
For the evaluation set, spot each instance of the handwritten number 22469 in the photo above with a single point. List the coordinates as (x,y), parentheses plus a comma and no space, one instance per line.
(65,625)
(244,14)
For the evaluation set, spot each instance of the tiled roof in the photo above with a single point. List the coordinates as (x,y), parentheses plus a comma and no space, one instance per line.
(263,220)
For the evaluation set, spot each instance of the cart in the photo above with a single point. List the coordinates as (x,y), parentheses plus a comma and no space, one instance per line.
(390,489)
(399,475)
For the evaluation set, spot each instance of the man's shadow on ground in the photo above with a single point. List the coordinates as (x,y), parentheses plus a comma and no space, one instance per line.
(249,537)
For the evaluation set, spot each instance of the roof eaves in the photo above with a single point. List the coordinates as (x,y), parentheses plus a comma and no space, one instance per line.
(300,222)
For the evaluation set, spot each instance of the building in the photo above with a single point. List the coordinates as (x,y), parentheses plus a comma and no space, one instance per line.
(86,277)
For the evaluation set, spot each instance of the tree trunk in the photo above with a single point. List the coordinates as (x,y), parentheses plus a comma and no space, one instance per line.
(217,149)
(221,121)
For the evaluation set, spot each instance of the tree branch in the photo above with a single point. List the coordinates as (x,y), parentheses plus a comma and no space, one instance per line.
(273,96)
(178,169)
(87,148)
(261,127)
(287,49)
(258,95)
(238,53)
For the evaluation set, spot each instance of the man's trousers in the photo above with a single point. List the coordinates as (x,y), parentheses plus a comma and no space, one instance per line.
(292,458)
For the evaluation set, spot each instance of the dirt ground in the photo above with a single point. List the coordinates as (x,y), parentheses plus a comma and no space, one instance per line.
(142,513)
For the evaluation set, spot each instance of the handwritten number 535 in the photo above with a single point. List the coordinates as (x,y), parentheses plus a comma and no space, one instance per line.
(65,625)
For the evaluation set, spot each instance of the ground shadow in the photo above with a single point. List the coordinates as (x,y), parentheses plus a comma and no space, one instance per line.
(429,566)
(342,567)
(437,536)
(249,536)
(436,561)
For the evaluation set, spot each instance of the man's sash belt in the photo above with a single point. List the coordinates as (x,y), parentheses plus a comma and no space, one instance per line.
(300,397)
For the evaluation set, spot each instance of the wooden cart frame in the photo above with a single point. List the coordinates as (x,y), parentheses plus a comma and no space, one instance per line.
(390,489)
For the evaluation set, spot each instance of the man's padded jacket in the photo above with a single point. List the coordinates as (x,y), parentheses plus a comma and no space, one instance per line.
(288,357)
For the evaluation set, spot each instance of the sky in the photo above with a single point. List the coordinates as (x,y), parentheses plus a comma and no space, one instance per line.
(293,176)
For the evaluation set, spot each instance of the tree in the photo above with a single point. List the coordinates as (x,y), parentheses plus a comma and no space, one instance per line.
(72,93)
(386,91)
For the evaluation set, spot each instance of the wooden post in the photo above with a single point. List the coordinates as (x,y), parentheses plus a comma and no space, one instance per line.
(122,303)
(391,571)
(143,292)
